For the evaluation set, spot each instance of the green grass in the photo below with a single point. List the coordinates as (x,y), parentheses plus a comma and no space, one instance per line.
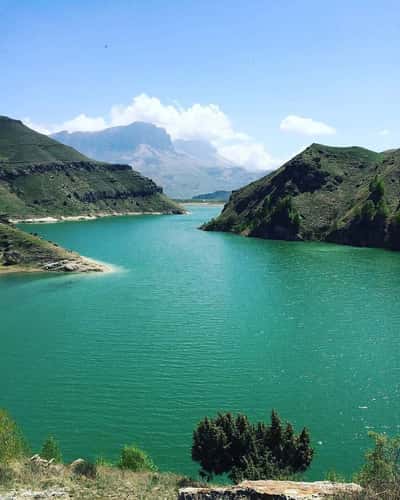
(30,251)
(20,145)
(109,482)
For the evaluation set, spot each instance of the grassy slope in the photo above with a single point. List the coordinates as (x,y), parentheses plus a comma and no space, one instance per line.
(41,177)
(24,251)
(110,483)
(327,185)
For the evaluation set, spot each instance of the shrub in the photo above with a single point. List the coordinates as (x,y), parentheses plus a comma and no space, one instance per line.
(6,475)
(381,466)
(135,459)
(86,468)
(103,461)
(51,450)
(376,189)
(12,442)
(234,446)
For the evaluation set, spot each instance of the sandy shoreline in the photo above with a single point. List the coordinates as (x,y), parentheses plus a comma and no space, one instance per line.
(77,218)
(99,267)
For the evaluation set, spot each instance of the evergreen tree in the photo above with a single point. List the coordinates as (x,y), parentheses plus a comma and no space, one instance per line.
(234,446)
(51,450)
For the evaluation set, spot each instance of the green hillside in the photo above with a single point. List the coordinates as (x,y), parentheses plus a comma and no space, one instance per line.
(41,177)
(20,145)
(345,195)
(20,251)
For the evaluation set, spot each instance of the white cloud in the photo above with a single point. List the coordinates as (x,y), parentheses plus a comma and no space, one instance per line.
(81,123)
(248,154)
(306,126)
(205,122)
(385,131)
(39,127)
(84,123)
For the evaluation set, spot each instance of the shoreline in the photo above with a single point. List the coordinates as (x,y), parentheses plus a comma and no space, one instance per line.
(80,218)
(84,265)
(201,203)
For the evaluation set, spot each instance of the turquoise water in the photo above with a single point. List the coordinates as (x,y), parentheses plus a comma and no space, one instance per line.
(198,322)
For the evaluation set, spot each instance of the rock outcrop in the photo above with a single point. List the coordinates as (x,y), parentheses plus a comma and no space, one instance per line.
(274,490)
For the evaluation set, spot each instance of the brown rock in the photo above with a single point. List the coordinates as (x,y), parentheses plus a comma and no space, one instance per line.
(273,490)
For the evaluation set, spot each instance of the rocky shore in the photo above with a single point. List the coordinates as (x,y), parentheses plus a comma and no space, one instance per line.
(25,252)
(77,218)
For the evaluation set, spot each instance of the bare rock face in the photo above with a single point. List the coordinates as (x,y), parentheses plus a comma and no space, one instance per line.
(273,490)
(78,265)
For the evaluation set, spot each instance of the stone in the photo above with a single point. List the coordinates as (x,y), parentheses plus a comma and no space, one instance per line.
(273,490)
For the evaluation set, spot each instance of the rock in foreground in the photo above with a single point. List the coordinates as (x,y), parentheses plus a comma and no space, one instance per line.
(276,490)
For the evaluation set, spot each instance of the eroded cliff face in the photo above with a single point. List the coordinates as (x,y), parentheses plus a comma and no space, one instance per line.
(273,490)
(78,188)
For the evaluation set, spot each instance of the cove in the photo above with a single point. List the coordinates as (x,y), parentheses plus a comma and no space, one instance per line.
(193,323)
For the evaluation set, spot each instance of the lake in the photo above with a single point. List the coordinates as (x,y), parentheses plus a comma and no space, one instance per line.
(193,323)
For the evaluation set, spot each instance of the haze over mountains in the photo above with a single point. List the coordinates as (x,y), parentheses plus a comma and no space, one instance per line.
(184,168)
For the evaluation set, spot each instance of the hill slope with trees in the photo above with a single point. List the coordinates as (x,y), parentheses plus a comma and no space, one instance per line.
(346,195)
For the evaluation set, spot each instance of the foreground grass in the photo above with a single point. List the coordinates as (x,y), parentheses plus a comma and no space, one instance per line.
(109,483)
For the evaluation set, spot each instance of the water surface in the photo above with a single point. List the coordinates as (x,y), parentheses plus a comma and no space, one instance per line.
(196,323)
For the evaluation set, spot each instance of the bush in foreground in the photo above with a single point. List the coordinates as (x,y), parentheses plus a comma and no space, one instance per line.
(382,463)
(234,446)
(136,460)
(12,442)
(51,450)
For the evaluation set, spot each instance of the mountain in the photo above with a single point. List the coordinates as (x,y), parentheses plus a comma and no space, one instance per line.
(20,251)
(116,144)
(215,196)
(203,151)
(183,168)
(346,195)
(41,177)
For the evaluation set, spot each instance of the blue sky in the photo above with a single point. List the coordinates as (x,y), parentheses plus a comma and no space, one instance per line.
(257,62)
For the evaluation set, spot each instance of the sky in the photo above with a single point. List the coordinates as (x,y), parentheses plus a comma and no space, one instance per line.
(259,79)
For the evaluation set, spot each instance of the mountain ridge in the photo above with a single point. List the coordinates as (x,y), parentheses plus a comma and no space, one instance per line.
(41,177)
(184,168)
(347,195)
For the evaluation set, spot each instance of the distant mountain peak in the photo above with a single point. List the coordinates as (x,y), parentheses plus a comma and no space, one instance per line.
(184,167)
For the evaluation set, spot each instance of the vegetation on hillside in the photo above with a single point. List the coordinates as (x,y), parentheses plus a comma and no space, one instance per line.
(25,251)
(222,445)
(343,195)
(134,476)
(41,177)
